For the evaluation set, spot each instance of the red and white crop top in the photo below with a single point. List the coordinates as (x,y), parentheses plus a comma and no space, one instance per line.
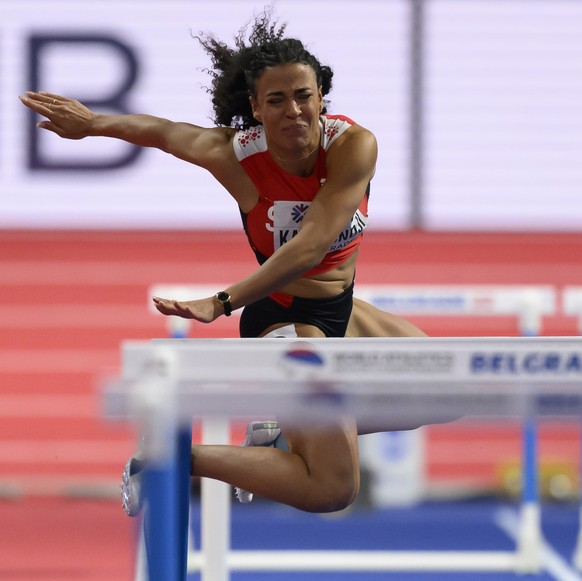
(284,198)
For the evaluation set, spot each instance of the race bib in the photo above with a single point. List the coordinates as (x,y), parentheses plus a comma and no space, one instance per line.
(286,218)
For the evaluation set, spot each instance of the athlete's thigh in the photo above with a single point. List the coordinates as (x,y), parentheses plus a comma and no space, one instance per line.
(369,321)
(300,330)
(330,448)
(330,453)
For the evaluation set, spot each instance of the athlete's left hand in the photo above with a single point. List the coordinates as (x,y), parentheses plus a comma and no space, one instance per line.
(202,310)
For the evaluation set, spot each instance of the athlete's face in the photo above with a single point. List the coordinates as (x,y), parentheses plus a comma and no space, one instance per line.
(288,103)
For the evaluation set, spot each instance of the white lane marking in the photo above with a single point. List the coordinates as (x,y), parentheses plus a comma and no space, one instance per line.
(506,519)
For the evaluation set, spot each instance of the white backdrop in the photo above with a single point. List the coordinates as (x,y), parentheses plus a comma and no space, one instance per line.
(504,114)
(364,44)
(503,108)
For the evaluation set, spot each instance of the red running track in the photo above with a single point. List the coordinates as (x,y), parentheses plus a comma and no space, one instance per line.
(59,540)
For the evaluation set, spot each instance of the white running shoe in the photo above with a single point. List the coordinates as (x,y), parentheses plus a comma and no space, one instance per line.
(263,433)
(131,498)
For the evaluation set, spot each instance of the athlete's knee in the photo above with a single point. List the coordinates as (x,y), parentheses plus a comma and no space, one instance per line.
(331,495)
(343,494)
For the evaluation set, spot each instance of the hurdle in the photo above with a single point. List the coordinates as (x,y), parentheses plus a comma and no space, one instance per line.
(370,379)
(528,303)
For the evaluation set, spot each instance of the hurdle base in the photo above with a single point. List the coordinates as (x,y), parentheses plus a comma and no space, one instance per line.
(530,541)
(362,561)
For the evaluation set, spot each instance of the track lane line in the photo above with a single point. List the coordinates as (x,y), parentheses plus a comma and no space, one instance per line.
(552,562)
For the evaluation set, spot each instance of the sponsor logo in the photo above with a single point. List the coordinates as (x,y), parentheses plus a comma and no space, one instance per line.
(302,362)
(298,212)
(393,362)
(420,302)
(304,356)
(533,363)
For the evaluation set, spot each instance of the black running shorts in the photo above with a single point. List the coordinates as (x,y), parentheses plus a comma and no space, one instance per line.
(331,315)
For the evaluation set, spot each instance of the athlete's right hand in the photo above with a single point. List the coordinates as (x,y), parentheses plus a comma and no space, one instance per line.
(66,117)
(201,310)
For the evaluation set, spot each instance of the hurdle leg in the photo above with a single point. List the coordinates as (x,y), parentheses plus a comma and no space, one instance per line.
(215,511)
(529,542)
(160,483)
(184,448)
(166,514)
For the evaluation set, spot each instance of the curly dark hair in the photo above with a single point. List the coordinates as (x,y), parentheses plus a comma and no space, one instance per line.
(235,71)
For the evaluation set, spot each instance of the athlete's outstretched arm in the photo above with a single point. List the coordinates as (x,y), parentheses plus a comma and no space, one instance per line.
(70,119)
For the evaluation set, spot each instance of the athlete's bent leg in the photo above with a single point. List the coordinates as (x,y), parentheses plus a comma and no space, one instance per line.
(319,473)
(369,321)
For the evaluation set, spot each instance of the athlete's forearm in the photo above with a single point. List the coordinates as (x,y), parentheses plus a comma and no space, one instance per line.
(285,266)
(139,129)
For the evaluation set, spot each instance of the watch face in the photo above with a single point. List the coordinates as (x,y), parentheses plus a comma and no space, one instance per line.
(224,298)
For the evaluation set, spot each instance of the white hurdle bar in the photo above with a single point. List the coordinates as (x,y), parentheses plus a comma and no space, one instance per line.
(528,303)
(370,379)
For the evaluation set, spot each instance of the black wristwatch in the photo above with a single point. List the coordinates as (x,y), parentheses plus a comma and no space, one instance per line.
(224,298)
